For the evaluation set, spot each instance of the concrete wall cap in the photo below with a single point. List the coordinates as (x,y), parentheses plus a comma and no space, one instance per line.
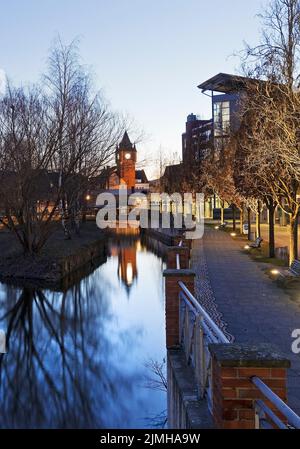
(178,273)
(260,355)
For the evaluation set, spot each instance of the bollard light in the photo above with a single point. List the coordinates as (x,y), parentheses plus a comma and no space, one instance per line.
(216,227)
(233,234)
(247,247)
(275,272)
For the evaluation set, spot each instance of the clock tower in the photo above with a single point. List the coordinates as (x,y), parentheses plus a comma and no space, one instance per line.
(126,160)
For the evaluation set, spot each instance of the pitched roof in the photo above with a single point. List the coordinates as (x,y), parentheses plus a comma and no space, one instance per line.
(126,143)
(140,174)
(173,171)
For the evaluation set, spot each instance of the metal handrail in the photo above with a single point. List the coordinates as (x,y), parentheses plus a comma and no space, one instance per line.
(280,405)
(261,408)
(217,331)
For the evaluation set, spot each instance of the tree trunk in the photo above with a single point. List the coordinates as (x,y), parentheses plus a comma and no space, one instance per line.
(271,210)
(222,212)
(241,220)
(293,229)
(233,218)
(249,222)
(257,221)
(296,237)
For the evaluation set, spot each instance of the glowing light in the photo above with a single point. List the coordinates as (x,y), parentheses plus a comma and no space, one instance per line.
(129,273)
(88,197)
(247,247)
(216,227)
(233,234)
(275,272)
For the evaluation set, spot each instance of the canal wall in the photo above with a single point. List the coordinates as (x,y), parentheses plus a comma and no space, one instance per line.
(85,255)
(161,235)
(185,410)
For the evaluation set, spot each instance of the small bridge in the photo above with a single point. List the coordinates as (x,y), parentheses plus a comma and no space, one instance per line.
(212,382)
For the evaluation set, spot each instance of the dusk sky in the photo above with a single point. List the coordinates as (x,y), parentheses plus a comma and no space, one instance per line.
(148,56)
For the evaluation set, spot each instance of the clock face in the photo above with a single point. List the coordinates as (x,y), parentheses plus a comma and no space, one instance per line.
(127,156)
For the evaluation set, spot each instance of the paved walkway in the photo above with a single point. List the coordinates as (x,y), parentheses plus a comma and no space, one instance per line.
(281,233)
(253,309)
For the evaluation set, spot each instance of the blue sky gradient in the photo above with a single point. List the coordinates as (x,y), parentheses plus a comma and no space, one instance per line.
(148,56)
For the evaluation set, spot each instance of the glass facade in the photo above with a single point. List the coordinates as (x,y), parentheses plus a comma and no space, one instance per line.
(221,118)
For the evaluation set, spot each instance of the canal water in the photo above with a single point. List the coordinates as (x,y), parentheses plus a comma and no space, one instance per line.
(87,357)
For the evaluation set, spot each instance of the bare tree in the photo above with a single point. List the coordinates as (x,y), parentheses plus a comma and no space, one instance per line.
(272,110)
(87,132)
(53,140)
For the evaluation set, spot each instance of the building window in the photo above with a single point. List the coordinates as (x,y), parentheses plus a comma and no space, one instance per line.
(221,118)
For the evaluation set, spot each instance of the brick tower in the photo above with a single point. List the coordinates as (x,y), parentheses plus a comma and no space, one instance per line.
(126,160)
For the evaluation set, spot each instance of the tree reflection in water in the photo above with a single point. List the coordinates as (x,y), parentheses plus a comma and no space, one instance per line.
(55,373)
(76,359)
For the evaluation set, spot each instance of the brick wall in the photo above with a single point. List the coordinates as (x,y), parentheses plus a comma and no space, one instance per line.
(232,390)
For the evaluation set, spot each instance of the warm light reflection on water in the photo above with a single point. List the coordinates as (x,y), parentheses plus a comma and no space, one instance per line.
(77,359)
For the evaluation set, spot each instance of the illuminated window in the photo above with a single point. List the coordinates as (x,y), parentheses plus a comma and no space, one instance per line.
(221,118)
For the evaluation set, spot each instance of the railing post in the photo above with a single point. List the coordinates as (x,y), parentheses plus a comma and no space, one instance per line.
(233,393)
(256,418)
(172,290)
(184,257)
(201,368)
(177,239)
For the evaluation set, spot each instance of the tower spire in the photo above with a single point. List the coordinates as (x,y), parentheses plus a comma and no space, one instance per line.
(125,142)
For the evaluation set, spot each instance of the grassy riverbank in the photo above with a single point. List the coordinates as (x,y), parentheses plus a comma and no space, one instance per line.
(58,259)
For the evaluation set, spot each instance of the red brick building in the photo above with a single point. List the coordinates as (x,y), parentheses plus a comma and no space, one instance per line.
(124,173)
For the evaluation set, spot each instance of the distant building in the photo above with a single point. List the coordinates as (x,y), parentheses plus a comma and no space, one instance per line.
(124,173)
(197,140)
(226,92)
(172,179)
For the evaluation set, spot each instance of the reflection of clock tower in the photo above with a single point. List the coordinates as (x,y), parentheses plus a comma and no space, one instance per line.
(126,160)
(127,270)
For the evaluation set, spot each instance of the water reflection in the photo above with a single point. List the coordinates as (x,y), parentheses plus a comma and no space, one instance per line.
(77,359)
(127,268)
